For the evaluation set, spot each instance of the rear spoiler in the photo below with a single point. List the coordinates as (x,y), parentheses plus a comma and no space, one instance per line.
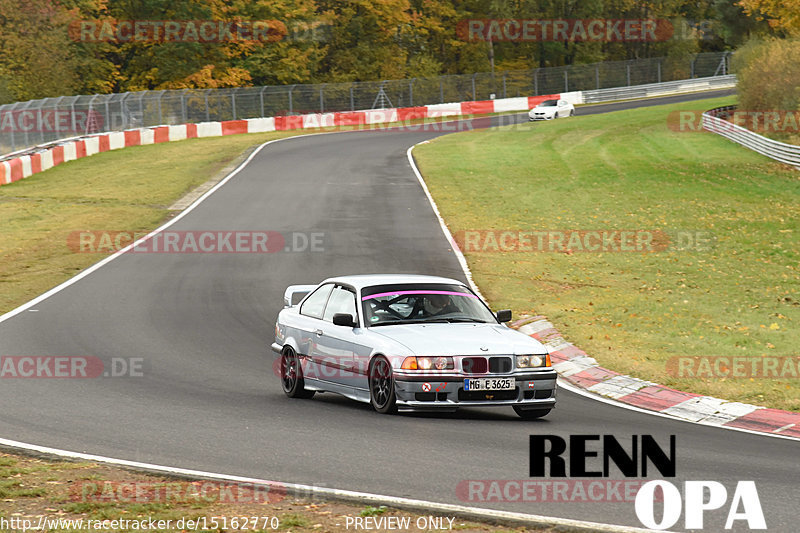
(294,290)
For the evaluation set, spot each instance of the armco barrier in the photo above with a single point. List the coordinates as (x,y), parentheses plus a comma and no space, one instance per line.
(659,89)
(22,166)
(785,153)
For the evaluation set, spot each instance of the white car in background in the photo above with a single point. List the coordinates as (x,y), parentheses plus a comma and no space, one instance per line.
(550,109)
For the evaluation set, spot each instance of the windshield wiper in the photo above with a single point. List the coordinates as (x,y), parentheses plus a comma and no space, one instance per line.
(400,322)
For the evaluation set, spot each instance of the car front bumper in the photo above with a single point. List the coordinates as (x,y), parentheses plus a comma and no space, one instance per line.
(534,390)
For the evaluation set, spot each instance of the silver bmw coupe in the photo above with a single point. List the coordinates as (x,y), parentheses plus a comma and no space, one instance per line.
(409,343)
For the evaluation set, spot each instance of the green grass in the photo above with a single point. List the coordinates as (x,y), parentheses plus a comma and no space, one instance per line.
(290,520)
(628,170)
(373,511)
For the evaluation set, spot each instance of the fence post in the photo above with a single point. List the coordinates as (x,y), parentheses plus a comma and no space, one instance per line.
(352,100)
(596,76)
(321,99)
(72,113)
(290,99)
(566,81)
(160,115)
(504,85)
(659,70)
(88,115)
(13,141)
(411,92)
(208,107)
(628,73)
(441,89)
(122,113)
(233,103)
(108,111)
(691,68)
(11,131)
(261,99)
(536,82)
(55,106)
(474,95)
(184,114)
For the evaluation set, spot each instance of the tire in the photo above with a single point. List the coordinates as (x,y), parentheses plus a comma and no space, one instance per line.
(530,414)
(292,376)
(381,386)
(572,113)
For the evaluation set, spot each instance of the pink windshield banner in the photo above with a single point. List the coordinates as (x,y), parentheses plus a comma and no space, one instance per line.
(400,293)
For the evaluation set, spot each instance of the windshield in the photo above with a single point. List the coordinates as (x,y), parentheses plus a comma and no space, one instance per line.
(422,303)
(549,103)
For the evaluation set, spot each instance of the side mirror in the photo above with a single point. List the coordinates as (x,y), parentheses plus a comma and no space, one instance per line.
(503,316)
(344,319)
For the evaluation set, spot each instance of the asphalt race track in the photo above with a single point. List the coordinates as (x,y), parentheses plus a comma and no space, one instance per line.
(208,399)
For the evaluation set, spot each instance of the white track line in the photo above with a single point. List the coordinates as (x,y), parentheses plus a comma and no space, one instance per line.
(310,491)
(301,490)
(561,382)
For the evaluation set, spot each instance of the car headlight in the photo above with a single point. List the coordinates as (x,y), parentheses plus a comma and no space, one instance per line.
(428,363)
(533,361)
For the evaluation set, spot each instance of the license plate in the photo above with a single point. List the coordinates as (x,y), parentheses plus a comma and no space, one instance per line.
(489,384)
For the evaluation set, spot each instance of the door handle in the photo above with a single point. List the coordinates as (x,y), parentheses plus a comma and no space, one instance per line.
(319,332)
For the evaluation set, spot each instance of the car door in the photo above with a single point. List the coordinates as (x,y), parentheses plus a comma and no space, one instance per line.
(309,327)
(562,108)
(335,345)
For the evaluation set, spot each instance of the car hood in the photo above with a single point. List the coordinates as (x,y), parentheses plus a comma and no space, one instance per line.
(547,110)
(460,339)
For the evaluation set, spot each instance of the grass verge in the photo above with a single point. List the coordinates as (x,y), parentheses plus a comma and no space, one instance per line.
(75,496)
(635,312)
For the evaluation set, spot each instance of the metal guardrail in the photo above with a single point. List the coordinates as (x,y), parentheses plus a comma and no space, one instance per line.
(36,122)
(659,89)
(782,152)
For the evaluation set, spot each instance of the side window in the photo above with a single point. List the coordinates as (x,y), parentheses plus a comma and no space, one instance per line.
(341,301)
(315,303)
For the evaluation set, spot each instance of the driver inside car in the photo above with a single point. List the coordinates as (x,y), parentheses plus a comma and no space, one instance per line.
(439,304)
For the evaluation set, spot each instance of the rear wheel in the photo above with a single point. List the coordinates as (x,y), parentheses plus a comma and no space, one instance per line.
(292,375)
(381,386)
(572,113)
(530,414)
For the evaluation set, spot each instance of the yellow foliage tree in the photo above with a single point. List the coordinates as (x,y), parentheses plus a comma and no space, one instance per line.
(782,15)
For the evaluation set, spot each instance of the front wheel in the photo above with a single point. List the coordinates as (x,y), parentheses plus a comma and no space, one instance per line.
(530,414)
(381,386)
(572,113)
(292,376)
